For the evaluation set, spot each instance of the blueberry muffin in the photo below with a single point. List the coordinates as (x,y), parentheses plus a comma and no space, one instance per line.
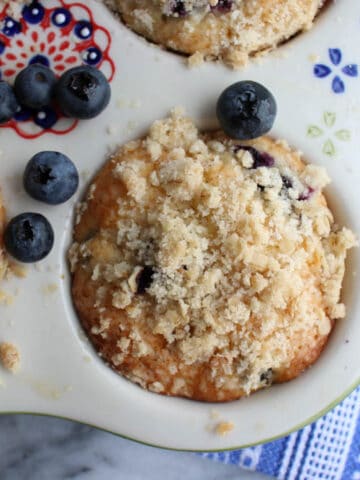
(227,29)
(205,267)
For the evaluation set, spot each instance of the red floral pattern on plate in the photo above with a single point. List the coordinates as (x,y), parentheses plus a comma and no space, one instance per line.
(61,35)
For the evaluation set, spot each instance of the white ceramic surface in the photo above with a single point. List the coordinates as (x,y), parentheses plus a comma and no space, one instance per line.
(61,375)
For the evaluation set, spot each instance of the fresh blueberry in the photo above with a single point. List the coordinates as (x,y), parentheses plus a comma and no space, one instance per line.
(246,110)
(8,103)
(83,92)
(34,86)
(51,177)
(29,237)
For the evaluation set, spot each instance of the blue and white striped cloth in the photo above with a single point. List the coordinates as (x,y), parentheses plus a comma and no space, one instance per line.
(328,449)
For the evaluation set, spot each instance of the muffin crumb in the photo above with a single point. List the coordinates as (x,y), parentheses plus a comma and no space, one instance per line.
(10,357)
(224,428)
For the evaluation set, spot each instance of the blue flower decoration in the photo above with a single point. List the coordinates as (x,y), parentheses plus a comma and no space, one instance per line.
(323,71)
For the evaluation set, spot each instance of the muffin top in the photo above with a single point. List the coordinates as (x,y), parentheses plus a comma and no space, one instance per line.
(205,267)
(230,30)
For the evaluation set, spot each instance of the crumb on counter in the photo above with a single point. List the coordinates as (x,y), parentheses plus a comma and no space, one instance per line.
(10,357)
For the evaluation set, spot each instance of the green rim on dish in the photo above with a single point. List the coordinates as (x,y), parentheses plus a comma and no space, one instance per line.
(311,419)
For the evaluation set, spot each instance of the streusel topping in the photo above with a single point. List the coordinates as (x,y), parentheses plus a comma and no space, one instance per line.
(225,251)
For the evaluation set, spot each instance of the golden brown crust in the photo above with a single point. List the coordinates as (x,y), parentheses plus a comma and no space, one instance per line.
(244,292)
(250,27)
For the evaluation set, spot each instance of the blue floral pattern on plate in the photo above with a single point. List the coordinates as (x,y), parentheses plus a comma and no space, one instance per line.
(336,70)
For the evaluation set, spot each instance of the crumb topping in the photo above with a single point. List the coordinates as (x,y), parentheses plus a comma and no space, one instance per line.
(227,29)
(228,262)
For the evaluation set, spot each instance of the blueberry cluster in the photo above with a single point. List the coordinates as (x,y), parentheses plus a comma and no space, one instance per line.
(82,92)
(52,178)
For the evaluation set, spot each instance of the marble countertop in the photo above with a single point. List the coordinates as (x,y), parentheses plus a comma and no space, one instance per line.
(51,449)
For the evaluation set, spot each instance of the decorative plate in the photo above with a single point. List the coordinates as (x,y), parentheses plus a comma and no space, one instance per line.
(315,79)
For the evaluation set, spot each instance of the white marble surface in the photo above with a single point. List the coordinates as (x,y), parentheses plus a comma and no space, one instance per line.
(39,448)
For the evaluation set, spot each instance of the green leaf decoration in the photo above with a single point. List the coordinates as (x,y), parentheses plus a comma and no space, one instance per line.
(329,118)
(314,131)
(344,135)
(329,148)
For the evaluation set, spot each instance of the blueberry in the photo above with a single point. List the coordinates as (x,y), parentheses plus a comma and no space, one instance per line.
(51,177)
(29,237)
(8,103)
(223,6)
(179,8)
(83,92)
(267,377)
(261,159)
(34,86)
(246,110)
(144,279)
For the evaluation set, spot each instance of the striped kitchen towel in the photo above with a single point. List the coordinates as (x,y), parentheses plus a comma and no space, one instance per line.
(328,449)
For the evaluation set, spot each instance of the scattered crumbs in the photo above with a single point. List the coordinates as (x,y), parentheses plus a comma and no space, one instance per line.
(62,277)
(224,428)
(214,414)
(49,288)
(196,60)
(314,57)
(10,357)
(6,299)
(18,270)
(47,391)
(347,341)
(87,358)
